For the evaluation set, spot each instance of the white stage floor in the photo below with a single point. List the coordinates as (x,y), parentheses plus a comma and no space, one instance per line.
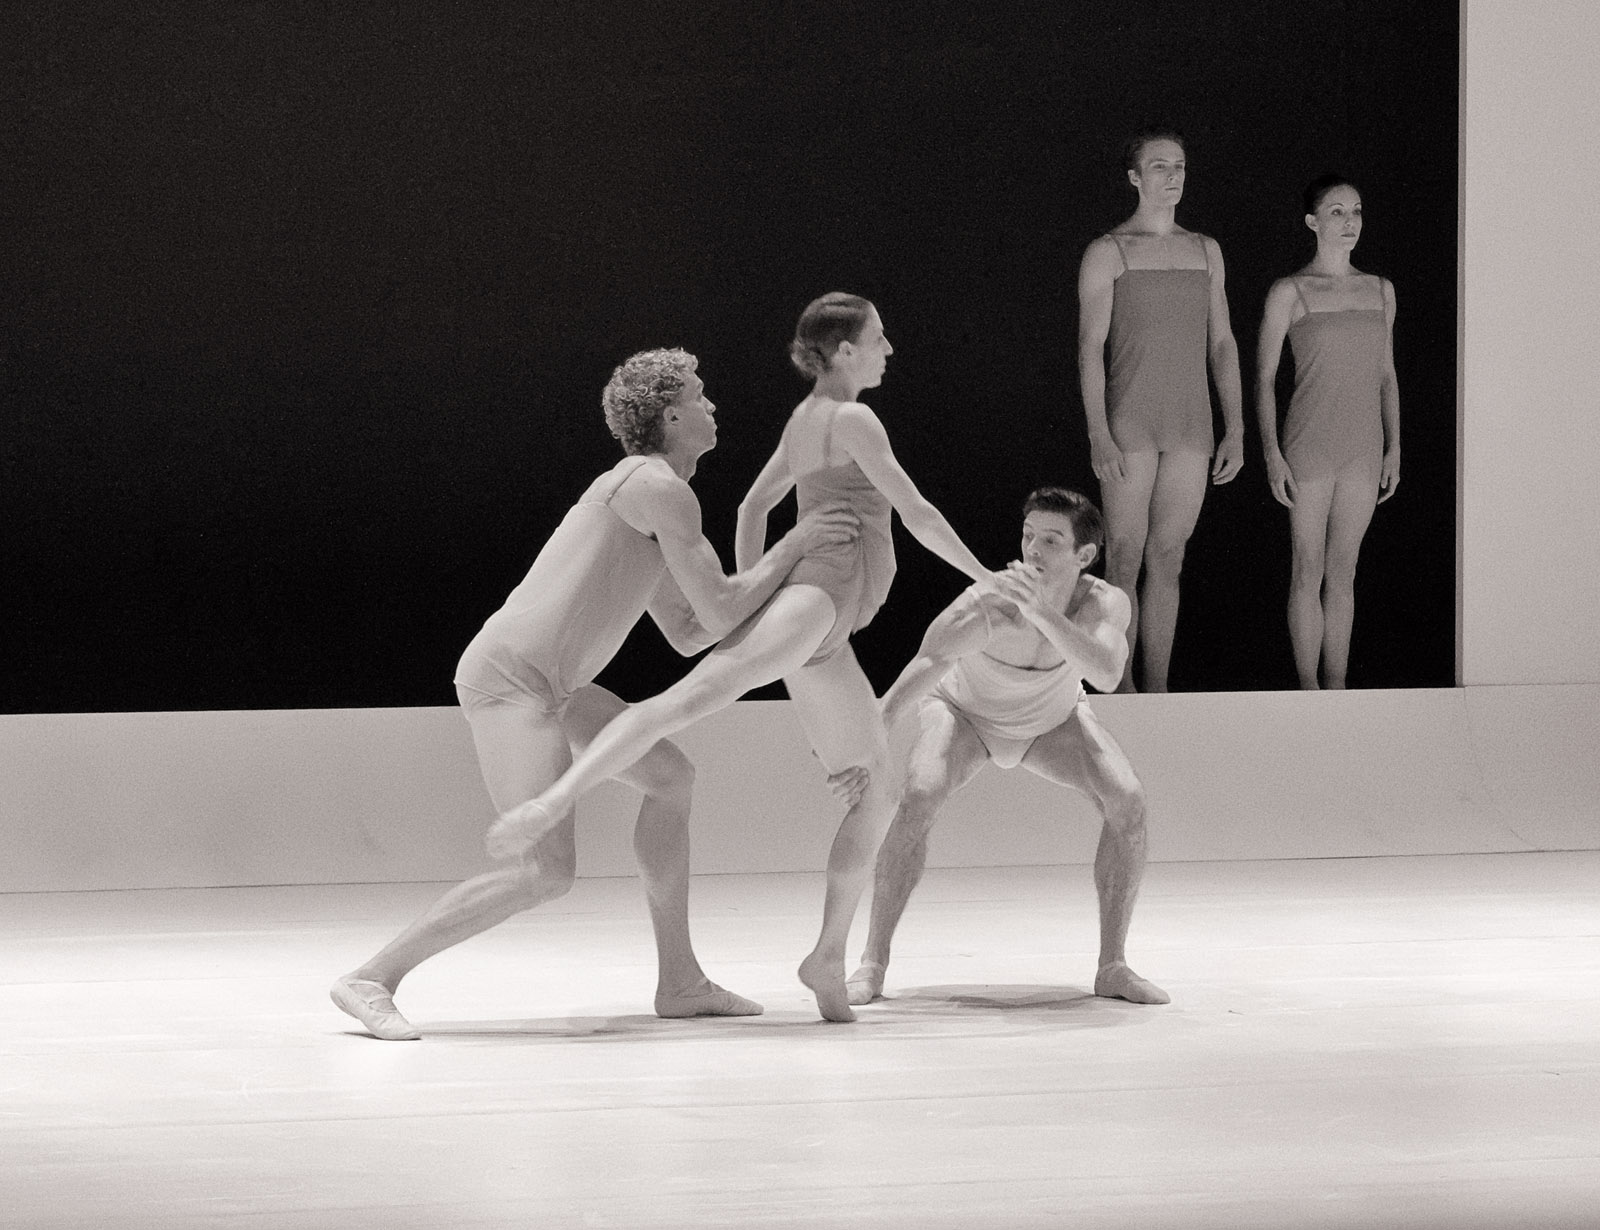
(1397,1042)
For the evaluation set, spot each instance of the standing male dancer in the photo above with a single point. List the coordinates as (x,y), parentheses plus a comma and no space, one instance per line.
(631,544)
(1001,678)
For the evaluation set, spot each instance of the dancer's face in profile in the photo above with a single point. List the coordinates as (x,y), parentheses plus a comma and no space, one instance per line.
(1048,544)
(1338,217)
(1160,174)
(691,415)
(868,355)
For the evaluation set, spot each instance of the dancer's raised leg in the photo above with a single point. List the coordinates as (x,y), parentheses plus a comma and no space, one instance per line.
(772,643)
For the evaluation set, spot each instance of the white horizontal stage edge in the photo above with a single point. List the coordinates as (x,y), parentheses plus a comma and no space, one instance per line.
(153,800)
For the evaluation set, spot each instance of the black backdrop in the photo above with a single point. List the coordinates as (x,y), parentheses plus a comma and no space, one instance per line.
(306,314)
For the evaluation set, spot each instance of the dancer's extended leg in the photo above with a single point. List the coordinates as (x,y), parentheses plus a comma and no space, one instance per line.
(839,712)
(519,750)
(771,644)
(944,758)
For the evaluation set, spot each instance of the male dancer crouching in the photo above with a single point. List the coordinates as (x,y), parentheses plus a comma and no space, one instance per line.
(1000,678)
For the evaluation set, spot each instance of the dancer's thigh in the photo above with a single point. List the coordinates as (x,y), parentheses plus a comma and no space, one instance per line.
(588,712)
(1081,754)
(1177,494)
(946,755)
(773,642)
(521,750)
(1308,520)
(839,712)
(1354,497)
(1127,504)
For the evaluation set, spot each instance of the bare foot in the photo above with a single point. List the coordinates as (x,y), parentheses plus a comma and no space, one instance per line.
(708,999)
(515,832)
(866,984)
(826,980)
(1117,981)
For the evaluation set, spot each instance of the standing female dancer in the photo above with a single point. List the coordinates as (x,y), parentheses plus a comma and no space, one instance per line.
(1341,440)
(1155,292)
(834,451)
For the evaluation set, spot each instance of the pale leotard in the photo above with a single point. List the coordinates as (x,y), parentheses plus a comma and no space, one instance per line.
(1157,396)
(856,575)
(1010,706)
(1335,417)
(568,617)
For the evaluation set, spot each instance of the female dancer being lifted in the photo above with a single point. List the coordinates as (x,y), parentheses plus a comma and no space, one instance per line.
(834,452)
(1341,441)
(1155,292)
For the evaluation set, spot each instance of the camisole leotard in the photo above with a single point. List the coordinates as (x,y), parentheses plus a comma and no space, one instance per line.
(856,575)
(568,617)
(1157,397)
(1335,417)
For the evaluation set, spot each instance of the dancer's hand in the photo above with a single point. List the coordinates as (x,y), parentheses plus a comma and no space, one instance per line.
(1390,477)
(990,584)
(1106,458)
(848,785)
(1280,479)
(1229,459)
(834,526)
(1023,584)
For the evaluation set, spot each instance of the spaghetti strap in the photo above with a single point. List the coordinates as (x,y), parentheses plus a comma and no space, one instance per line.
(1205,252)
(1298,290)
(1121,251)
(632,470)
(1383,299)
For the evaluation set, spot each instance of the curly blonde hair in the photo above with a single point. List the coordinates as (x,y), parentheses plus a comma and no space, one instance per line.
(638,393)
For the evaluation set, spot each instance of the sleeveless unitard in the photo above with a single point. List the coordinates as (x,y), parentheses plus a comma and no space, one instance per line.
(1157,397)
(570,614)
(1010,706)
(1335,418)
(856,575)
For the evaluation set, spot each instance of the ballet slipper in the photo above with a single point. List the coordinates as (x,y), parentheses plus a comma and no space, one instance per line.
(372,1004)
(714,1001)
(1116,981)
(866,984)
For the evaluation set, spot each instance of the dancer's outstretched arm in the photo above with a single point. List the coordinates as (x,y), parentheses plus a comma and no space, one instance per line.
(860,433)
(962,628)
(670,513)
